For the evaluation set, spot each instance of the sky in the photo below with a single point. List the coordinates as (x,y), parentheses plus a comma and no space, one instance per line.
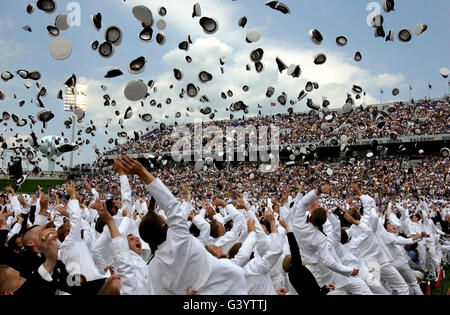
(385,65)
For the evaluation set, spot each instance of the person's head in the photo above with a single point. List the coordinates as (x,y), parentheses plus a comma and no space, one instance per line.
(228,226)
(10,280)
(414,218)
(111,207)
(15,243)
(216,251)
(31,238)
(99,225)
(153,229)
(234,250)
(217,229)
(118,203)
(194,230)
(355,213)
(318,217)
(389,227)
(63,231)
(287,261)
(313,206)
(134,243)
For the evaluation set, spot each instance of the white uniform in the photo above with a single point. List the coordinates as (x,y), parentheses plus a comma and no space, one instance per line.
(182,261)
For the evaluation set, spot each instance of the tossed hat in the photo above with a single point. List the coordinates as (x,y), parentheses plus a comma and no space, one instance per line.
(294,70)
(281,65)
(404,35)
(6,76)
(128,113)
(161,38)
(357,89)
(209,25)
(62,22)
(302,95)
(444,72)
(162,11)
(96,21)
(395,92)
(137,66)
(420,28)
(143,14)
(309,86)
(113,35)
(279,6)
(184,45)
(256,55)
(30,9)
(315,36)
(445,152)
(259,66)
(311,105)
(53,31)
(204,76)
(113,73)
(197,10)
(146,35)
(282,99)
(379,31)
(388,5)
(135,90)
(270,91)
(320,59)
(242,21)
(23,73)
(106,49)
(253,36)
(191,90)
(341,41)
(161,24)
(390,36)
(206,110)
(358,56)
(60,48)
(45,116)
(95,44)
(48,6)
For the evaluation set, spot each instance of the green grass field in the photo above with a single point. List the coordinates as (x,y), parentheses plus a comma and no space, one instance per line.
(31,185)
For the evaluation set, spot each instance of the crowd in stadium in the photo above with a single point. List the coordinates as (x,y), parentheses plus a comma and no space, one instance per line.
(423,117)
(371,226)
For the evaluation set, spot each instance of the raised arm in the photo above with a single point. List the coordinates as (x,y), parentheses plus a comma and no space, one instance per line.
(75,215)
(124,186)
(246,250)
(167,202)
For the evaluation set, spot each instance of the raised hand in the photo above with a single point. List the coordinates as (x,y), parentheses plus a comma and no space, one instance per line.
(43,202)
(284,224)
(70,188)
(102,212)
(355,189)
(117,167)
(10,190)
(326,189)
(251,226)
(218,202)
(129,166)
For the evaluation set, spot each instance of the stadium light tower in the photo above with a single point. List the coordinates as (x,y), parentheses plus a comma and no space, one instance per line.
(75,97)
